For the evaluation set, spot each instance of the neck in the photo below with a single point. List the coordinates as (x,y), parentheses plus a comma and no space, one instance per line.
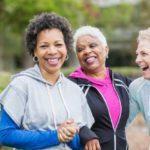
(97,73)
(50,77)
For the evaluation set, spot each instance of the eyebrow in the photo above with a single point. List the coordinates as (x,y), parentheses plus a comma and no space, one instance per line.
(43,42)
(59,41)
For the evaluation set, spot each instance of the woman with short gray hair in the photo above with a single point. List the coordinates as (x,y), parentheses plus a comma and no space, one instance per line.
(106,91)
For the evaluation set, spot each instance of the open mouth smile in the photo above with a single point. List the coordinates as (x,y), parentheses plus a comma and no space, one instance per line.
(53,61)
(90,59)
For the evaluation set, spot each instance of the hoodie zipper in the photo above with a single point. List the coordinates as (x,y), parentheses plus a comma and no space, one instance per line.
(114,129)
(115,140)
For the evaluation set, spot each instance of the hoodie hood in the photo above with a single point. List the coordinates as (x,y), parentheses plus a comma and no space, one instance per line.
(78,73)
(35,74)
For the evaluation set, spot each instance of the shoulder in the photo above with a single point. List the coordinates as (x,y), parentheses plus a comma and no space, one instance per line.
(71,83)
(137,84)
(75,80)
(122,79)
(19,81)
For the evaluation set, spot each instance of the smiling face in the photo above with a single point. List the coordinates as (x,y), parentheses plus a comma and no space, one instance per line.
(143,57)
(50,50)
(91,54)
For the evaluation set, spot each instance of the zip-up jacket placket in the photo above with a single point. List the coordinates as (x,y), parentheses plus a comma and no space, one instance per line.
(117,89)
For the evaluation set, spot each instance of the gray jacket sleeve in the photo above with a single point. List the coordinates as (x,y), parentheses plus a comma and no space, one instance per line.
(13,101)
(134,108)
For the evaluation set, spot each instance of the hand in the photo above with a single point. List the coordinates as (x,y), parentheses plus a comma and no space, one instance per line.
(70,124)
(93,145)
(67,130)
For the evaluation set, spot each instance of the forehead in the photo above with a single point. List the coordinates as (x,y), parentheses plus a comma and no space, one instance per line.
(85,39)
(53,33)
(143,45)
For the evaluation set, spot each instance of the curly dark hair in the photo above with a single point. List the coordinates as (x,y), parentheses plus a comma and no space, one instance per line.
(47,21)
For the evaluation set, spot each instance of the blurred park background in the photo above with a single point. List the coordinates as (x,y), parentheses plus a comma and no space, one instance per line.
(120,21)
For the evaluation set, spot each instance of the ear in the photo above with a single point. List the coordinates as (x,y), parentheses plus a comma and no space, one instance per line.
(107,51)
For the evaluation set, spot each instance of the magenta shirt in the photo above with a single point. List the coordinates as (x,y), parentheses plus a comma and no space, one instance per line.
(105,87)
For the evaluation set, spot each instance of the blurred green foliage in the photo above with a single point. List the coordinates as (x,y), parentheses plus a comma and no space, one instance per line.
(132,72)
(4,80)
(15,15)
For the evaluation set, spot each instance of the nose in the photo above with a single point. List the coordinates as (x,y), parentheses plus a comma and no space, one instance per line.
(88,50)
(138,59)
(52,50)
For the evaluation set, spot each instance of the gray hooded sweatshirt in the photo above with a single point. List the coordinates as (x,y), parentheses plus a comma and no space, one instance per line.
(35,104)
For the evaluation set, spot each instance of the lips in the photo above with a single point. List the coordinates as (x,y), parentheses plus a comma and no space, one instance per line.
(90,59)
(144,68)
(53,61)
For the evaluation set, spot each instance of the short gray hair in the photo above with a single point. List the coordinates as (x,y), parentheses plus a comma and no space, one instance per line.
(89,30)
(144,35)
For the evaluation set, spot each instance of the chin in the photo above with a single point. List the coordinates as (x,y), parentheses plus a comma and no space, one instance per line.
(146,76)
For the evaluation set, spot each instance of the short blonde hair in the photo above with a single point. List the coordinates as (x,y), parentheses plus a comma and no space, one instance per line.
(89,30)
(144,35)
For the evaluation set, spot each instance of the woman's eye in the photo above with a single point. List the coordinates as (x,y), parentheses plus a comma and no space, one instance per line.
(79,49)
(59,45)
(43,46)
(143,54)
(93,45)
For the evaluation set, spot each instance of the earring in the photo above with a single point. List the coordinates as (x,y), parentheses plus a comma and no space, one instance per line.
(67,57)
(107,57)
(35,59)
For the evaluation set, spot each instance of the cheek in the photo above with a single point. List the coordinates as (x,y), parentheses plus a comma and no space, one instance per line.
(148,61)
(64,53)
(79,56)
(102,57)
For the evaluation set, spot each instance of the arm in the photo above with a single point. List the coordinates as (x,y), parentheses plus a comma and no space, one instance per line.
(85,133)
(134,107)
(75,143)
(11,135)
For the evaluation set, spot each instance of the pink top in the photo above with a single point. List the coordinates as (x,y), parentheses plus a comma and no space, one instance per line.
(105,87)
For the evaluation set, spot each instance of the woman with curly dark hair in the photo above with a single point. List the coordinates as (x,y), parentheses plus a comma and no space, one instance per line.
(41,109)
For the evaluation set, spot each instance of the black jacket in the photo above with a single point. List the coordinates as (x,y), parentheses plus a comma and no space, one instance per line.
(110,138)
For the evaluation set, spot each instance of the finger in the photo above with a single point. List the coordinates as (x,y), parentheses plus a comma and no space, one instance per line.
(63,135)
(72,130)
(98,146)
(86,147)
(92,146)
(70,121)
(89,147)
(67,136)
(60,138)
(67,132)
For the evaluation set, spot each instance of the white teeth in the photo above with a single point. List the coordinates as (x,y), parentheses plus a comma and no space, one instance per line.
(53,61)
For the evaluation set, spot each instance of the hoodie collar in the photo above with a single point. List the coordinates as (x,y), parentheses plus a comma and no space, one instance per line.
(78,73)
(35,73)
